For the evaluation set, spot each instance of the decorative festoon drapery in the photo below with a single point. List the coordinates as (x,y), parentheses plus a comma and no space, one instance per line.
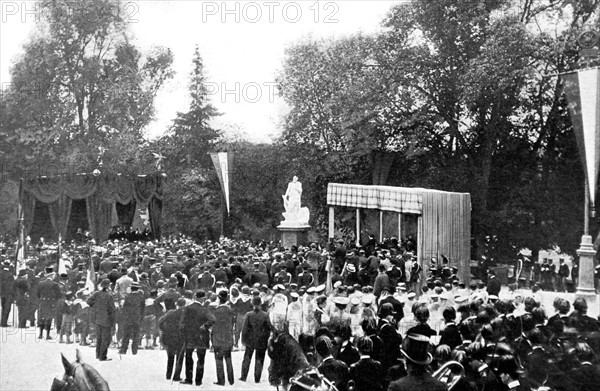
(100,193)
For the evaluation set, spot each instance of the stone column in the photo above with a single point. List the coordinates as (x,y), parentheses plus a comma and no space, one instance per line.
(586,287)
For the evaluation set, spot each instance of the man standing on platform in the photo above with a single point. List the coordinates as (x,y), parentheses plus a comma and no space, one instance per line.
(103,308)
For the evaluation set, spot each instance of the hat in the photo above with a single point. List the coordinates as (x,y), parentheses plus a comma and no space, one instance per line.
(493,297)
(386,309)
(293,285)
(311,290)
(415,348)
(172,280)
(135,285)
(368,300)
(340,240)
(320,288)
(355,300)
(294,294)
(144,276)
(351,268)
(105,283)
(279,287)
(460,299)
(411,295)
(341,300)
(223,294)
(246,290)
(401,286)
(337,284)
(49,269)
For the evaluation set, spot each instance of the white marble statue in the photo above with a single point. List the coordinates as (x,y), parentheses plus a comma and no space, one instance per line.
(294,214)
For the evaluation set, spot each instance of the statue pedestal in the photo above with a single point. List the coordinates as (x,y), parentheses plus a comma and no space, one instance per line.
(586,288)
(293,235)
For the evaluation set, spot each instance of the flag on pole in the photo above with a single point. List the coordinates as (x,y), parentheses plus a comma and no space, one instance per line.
(223,162)
(90,281)
(582,89)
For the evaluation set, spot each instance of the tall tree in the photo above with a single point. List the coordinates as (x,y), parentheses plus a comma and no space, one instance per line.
(80,84)
(192,199)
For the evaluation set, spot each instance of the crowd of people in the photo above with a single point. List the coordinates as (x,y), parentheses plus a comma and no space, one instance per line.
(368,318)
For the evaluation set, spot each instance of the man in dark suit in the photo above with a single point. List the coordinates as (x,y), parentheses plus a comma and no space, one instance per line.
(7,292)
(415,351)
(103,309)
(171,338)
(450,335)
(493,285)
(48,293)
(366,374)
(390,337)
(386,297)
(132,315)
(222,338)
(334,370)
(255,336)
(196,320)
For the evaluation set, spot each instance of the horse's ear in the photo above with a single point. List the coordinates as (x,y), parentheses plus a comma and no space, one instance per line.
(66,364)
(78,356)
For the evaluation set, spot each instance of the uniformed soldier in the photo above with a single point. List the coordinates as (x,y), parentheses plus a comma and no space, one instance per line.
(7,292)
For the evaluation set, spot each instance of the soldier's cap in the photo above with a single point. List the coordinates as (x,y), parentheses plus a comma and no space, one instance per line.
(311,290)
(294,294)
(320,288)
(264,287)
(367,300)
(401,286)
(81,282)
(246,290)
(341,300)
(337,284)
(351,268)
(365,289)
(293,285)
(355,300)
(279,287)
(256,263)
(255,292)
(172,280)
(460,299)
(411,295)
(135,285)
(493,297)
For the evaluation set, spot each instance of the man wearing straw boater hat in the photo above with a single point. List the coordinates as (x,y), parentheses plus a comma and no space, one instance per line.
(417,360)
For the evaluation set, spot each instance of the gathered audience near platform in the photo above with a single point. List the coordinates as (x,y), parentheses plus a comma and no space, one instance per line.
(371,319)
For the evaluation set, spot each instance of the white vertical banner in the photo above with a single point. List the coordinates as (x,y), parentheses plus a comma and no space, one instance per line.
(223,162)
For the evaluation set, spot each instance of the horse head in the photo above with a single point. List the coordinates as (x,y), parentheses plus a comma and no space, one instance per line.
(79,377)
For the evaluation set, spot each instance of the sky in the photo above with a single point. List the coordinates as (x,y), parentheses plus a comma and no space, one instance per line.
(242,44)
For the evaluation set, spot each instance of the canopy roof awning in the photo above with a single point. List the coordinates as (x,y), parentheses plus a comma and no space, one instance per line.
(444,221)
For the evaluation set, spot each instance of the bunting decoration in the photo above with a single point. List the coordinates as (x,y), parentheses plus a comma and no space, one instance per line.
(223,162)
(582,89)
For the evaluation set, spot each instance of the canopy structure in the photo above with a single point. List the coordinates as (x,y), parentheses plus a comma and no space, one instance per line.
(444,218)
(99,194)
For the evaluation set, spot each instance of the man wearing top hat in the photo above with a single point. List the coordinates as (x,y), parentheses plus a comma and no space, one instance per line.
(387,332)
(417,359)
(48,294)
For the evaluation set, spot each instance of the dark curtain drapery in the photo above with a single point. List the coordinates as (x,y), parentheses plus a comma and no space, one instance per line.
(27,201)
(99,192)
(99,215)
(60,210)
(126,213)
(155,216)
